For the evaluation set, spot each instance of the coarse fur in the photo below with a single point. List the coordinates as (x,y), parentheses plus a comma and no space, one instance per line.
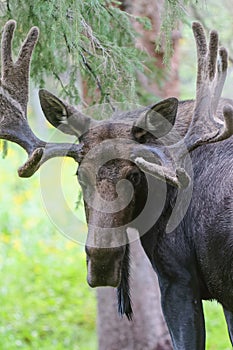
(194,261)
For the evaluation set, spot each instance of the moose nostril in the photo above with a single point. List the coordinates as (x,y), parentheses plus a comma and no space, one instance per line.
(103,274)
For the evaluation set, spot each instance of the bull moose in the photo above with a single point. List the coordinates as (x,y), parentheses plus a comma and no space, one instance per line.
(134,172)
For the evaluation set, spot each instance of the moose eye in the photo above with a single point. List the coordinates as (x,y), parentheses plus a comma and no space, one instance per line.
(134,177)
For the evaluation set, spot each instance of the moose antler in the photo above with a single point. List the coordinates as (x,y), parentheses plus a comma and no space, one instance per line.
(14,85)
(205,126)
(211,75)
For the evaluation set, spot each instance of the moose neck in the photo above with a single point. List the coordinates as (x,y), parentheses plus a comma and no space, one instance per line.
(151,238)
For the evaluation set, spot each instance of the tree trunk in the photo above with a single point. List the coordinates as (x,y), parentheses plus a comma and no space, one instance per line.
(153,9)
(148,330)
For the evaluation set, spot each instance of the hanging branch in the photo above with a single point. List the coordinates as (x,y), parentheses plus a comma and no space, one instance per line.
(88,67)
(97,80)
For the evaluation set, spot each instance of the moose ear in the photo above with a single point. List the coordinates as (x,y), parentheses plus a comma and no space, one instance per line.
(63,116)
(158,120)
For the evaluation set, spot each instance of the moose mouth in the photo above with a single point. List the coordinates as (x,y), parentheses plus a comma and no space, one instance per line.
(102,274)
(111,268)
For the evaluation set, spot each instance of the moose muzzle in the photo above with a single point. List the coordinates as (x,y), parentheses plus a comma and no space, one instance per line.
(104,266)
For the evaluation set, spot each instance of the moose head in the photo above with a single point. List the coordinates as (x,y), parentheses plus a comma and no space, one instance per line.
(117,157)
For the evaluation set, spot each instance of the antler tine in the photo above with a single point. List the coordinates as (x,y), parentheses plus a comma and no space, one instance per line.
(27,48)
(6,55)
(205,127)
(14,84)
(176,177)
(212,54)
(15,75)
(50,150)
(221,76)
(201,46)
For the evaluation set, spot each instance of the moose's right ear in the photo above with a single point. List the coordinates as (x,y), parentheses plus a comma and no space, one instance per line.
(63,116)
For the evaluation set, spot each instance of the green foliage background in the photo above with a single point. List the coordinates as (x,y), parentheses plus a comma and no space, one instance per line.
(45,300)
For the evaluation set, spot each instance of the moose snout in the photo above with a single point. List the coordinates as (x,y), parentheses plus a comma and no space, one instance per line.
(104,266)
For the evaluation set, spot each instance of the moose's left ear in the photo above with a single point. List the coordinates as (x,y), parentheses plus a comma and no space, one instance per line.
(158,120)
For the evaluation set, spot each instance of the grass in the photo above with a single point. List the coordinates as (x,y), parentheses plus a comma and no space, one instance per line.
(45,300)
(46,303)
(217,335)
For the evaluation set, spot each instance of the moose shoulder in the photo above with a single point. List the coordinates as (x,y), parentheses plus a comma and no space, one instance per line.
(132,168)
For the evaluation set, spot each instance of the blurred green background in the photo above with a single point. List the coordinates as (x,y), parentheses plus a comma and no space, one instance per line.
(45,300)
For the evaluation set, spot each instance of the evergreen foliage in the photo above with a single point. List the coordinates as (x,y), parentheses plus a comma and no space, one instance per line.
(90,41)
(174,11)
